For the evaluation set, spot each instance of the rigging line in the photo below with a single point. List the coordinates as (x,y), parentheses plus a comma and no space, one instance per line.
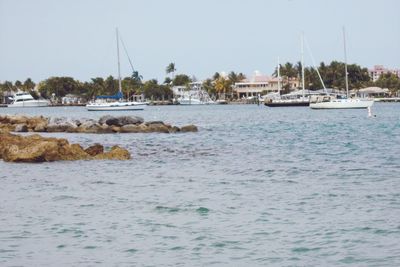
(313,61)
(126,52)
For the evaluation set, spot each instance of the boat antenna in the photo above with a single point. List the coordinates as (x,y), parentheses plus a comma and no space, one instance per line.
(313,61)
(345,63)
(302,62)
(279,77)
(119,65)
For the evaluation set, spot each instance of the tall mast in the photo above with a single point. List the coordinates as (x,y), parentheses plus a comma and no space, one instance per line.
(119,67)
(345,64)
(279,77)
(302,63)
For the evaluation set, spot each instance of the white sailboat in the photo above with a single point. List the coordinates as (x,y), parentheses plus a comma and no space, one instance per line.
(331,102)
(115,102)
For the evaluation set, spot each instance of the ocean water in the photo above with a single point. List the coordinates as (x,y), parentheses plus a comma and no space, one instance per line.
(256,186)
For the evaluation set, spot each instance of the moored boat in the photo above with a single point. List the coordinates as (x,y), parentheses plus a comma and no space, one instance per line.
(24,99)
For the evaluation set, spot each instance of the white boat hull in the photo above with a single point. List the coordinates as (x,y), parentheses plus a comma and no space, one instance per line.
(29,104)
(118,106)
(343,104)
(194,102)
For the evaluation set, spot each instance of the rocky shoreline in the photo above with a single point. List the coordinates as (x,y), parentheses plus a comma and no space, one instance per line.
(106,124)
(35,148)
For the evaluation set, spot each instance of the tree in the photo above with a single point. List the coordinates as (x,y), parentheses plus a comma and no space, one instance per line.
(167,80)
(390,81)
(59,86)
(208,85)
(153,90)
(171,69)
(223,86)
(28,84)
(181,79)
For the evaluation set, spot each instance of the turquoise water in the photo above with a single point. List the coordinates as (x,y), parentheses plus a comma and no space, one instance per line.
(256,186)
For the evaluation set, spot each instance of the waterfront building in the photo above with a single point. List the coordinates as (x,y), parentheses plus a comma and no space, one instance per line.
(378,70)
(260,84)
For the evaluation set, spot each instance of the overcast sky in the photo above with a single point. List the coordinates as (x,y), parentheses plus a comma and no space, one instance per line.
(43,38)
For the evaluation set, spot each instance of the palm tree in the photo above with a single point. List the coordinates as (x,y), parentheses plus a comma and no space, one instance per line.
(222,86)
(171,69)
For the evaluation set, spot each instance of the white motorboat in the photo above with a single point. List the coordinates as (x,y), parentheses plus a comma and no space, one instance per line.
(115,102)
(24,99)
(331,102)
(192,94)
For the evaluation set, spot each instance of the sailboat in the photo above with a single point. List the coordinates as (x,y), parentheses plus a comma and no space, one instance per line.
(331,102)
(293,99)
(115,102)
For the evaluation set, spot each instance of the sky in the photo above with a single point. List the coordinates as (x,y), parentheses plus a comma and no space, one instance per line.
(76,38)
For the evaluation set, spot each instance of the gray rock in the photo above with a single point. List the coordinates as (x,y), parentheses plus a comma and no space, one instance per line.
(62,124)
(103,119)
(125,120)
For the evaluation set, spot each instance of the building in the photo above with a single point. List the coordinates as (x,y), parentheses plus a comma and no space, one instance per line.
(378,70)
(260,84)
(71,99)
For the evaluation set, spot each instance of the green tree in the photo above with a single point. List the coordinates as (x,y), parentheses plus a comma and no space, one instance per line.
(171,69)
(152,90)
(28,84)
(223,86)
(390,81)
(59,86)
(181,79)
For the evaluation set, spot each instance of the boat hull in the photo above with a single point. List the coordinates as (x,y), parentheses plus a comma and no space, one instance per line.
(29,104)
(193,102)
(115,106)
(343,104)
(287,104)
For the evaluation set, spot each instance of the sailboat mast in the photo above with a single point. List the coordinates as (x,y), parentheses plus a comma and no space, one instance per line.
(279,77)
(119,65)
(302,63)
(345,64)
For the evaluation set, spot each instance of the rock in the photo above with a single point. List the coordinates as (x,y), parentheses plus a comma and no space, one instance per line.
(95,150)
(61,125)
(116,153)
(34,148)
(125,120)
(158,128)
(40,127)
(189,128)
(154,123)
(121,121)
(113,121)
(103,119)
(21,128)
(174,129)
(130,128)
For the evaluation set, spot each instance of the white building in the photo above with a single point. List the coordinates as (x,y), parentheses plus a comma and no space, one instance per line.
(260,84)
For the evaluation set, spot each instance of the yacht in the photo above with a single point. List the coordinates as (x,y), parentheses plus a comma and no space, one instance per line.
(24,99)
(192,94)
